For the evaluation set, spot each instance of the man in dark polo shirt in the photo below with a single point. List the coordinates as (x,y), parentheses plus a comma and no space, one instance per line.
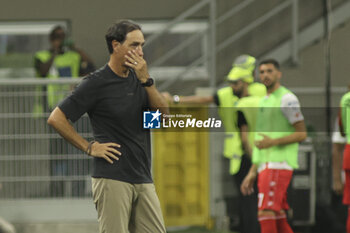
(115,97)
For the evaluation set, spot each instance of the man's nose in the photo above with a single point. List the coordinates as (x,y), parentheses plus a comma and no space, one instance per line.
(139,51)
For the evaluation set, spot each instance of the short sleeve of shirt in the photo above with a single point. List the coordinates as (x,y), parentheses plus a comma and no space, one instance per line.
(216,99)
(290,107)
(37,64)
(81,100)
(241,119)
(338,138)
(336,135)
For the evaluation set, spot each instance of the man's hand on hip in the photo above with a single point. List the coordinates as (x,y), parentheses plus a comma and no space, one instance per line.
(106,151)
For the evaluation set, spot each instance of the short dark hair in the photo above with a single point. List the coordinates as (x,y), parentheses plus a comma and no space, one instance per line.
(118,32)
(272,61)
(52,35)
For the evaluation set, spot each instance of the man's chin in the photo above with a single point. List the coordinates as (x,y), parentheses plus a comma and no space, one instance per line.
(268,84)
(237,93)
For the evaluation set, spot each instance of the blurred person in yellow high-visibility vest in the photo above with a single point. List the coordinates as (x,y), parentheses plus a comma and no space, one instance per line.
(61,60)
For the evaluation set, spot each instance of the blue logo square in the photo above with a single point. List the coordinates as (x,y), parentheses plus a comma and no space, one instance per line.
(151,119)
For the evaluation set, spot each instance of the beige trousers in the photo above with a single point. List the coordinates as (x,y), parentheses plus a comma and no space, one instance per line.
(127,208)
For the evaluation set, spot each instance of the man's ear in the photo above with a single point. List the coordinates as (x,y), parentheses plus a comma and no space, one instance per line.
(279,74)
(115,45)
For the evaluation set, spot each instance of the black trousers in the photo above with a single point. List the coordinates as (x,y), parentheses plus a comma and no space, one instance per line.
(248,205)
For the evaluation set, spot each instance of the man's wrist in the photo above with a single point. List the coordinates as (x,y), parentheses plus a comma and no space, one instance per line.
(337,177)
(253,170)
(275,142)
(89,148)
(144,77)
(149,82)
(143,80)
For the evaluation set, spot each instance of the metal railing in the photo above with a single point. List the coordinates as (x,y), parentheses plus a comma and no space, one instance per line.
(38,168)
(35,162)
(213,47)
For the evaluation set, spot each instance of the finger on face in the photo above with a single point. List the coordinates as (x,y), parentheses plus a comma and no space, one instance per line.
(131,65)
(129,58)
(133,54)
(131,62)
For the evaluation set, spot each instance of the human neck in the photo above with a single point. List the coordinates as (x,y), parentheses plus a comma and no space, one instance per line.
(117,68)
(273,88)
(245,92)
(59,51)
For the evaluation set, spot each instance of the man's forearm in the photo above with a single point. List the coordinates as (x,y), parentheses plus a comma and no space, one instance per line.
(196,99)
(45,67)
(292,138)
(253,170)
(337,150)
(60,123)
(83,55)
(156,100)
(245,140)
(298,136)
